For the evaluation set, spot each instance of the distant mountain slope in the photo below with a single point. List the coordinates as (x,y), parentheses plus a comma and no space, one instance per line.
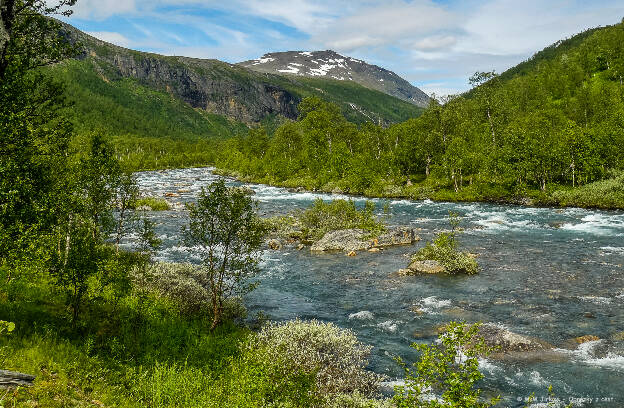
(329,64)
(105,74)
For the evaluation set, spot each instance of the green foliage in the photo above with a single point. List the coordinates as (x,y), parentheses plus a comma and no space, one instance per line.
(323,217)
(555,122)
(154,203)
(444,250)
(6,327)
(450,369)
(224,225)
(601,194)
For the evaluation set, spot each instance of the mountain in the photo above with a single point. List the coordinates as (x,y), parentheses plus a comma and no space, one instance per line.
(330,64)
(198,91)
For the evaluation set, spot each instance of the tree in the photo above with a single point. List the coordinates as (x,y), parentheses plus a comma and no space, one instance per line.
(34,135)
(224,226)
(450,367)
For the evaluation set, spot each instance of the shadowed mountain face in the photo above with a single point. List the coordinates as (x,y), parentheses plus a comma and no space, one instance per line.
(329,64)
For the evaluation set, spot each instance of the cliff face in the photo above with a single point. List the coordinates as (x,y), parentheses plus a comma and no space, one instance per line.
(211,85)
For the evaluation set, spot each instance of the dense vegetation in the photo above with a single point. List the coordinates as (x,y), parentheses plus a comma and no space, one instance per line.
(553,124)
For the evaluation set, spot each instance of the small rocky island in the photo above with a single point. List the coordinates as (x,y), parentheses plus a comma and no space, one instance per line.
(337,227)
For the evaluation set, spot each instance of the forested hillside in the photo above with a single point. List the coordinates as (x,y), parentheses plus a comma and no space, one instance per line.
(548,131)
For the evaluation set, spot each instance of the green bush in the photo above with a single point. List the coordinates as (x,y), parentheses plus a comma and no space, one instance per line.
(154,203)
(444,250)
(323,217)
(608,194)
(449,367)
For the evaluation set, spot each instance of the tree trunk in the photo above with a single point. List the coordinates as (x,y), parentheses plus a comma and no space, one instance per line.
(14,379)
(7,18)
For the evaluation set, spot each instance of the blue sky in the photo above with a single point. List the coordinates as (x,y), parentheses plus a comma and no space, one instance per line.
(436,45)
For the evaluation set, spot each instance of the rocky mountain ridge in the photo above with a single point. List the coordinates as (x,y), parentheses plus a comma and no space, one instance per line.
(329,64)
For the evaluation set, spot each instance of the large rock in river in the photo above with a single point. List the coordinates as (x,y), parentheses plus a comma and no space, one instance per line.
(506,341)
(359,240)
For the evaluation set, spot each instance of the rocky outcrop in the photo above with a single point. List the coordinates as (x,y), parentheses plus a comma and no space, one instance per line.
(12,379)
(353,240)
(343,240)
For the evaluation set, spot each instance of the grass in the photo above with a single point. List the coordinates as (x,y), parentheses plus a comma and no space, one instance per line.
(154,203)
(605,194)
(125,352)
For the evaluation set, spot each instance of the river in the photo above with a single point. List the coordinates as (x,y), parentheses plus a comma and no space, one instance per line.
(554,274)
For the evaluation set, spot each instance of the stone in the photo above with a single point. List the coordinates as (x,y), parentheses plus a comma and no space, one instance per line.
(274,244)
(426,267)
(13,379)
(300,247)
(172,195)
(184,190)
(357,240)
(585,339)
(343,240)
(374,250)
(506,341)
(337,190)
(352,253)
(618,336)
(396,236)
(589,315)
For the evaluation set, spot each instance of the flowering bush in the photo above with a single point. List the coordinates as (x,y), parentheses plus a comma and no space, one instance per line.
(333,356)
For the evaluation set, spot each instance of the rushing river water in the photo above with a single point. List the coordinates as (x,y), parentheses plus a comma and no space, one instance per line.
(554,274)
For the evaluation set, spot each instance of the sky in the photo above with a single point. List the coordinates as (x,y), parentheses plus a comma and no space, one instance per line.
(434,44)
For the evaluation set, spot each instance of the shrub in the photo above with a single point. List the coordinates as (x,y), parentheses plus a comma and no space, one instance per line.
(608,194)
(154,203)
(450,368)
(444,250)
(323,217)
(334,357)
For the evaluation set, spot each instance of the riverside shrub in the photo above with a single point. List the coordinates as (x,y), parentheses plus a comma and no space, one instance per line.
(333,357)
(323,217)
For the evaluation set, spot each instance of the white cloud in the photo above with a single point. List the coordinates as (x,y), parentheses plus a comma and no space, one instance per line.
(111,37)
(435,42)
(435,45)
(101,9)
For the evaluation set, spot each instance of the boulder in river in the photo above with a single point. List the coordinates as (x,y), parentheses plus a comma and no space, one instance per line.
(274,244)
(506,341)
(342,240)
(359,240)
(424,267)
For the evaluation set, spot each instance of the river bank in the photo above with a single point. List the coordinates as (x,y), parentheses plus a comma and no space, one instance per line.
(603,195)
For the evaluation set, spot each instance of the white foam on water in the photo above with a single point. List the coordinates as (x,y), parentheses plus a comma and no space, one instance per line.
(598,224)
(362,315)
(487,365)
(435,303)
(585,354)
(613,250)
(598,300)
(389,326)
